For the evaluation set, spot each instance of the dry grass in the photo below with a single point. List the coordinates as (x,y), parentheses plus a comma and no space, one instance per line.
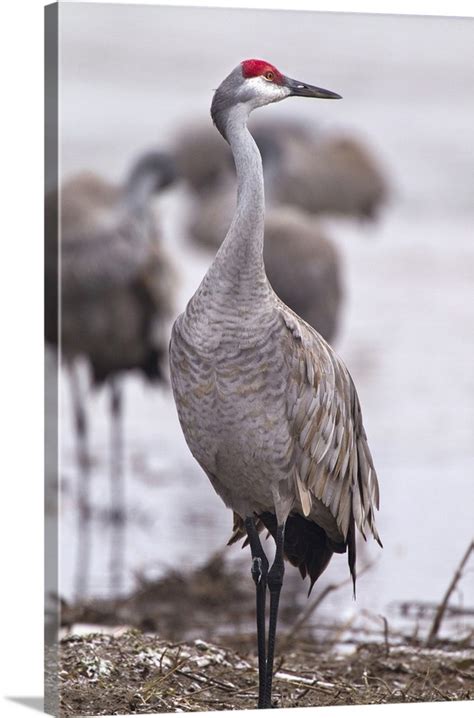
(138,673)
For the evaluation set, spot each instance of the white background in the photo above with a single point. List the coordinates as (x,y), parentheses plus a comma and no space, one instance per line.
(22,346)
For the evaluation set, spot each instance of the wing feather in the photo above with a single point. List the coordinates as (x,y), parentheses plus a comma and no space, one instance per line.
(333,460)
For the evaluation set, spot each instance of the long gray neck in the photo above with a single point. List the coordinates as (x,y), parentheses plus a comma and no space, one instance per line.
(234,300)
(240,257)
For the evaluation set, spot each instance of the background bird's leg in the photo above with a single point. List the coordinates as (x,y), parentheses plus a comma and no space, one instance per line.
(117,489)
(259,575)
(275,582)
(83,552)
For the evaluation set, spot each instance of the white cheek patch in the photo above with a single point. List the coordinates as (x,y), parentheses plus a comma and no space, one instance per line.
(266,91)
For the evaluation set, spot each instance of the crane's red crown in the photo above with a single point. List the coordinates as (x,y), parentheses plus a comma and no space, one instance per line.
(261,68)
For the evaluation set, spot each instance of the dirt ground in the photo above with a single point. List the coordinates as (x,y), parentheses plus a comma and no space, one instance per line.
(133,672)
(187,643)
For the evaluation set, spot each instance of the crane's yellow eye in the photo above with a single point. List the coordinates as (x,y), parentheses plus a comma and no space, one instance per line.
(270,76)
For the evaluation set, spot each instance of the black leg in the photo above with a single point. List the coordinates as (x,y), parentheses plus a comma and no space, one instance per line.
(83,537)
(117,490)
(275,582)
(259,575)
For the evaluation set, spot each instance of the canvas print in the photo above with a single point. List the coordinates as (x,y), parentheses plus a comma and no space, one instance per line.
(259,269)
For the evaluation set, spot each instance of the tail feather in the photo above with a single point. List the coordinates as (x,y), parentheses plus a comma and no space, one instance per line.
(307,545)
(351,549)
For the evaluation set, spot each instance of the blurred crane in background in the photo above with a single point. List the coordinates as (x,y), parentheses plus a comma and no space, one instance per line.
(203,160)
(325,175)
(304,268)
(116,287)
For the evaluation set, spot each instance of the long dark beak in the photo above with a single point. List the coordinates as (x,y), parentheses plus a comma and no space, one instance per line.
(301,89)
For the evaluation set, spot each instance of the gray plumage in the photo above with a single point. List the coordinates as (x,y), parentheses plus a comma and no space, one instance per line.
(301,262)
(267,408)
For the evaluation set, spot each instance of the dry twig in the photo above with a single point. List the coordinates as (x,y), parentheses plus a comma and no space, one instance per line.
(444,603)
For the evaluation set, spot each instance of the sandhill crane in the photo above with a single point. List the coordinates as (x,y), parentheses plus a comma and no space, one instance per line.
(116,286)
(267,408)
(301,262)
(335,174)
